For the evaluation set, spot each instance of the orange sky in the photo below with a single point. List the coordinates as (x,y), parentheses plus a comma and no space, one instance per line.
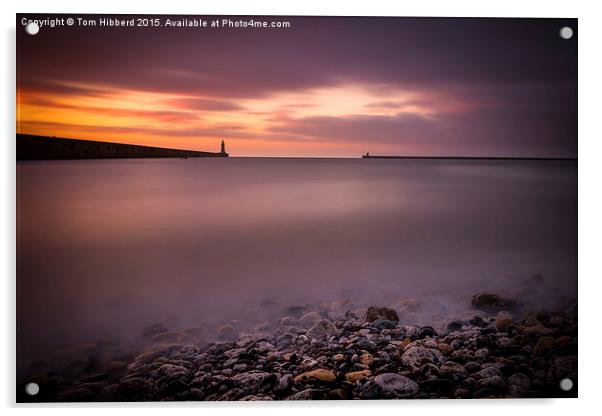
(248,125)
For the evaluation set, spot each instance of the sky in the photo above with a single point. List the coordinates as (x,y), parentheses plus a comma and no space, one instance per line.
(325,87)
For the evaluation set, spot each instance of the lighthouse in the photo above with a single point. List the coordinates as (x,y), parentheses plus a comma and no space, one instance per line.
(223,151)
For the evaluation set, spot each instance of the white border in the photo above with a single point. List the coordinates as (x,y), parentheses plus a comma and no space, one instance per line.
(590,195)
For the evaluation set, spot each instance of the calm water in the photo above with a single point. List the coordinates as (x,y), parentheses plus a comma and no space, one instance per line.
(109,246)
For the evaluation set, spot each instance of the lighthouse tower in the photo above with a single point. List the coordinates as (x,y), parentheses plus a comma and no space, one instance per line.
(223,151)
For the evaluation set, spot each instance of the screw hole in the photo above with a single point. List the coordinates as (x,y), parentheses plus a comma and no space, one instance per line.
(32,389)
(566,32)
(566,384)
(32,28)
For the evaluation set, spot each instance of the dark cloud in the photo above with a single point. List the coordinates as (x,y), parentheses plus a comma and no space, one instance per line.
(519,129)
(316,51)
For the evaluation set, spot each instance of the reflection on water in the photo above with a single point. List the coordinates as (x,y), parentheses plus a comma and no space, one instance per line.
(111,245)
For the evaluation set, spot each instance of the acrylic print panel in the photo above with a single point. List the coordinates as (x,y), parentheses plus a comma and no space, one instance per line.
(295,208)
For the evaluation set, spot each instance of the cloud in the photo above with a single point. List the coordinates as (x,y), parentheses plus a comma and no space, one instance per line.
(205,104)
(408,128)
(316,52)
(486,86)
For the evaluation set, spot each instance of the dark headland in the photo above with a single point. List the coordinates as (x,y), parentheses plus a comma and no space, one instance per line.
(30,147)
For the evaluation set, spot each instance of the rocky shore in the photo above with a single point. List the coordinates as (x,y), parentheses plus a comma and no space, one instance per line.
(496,348)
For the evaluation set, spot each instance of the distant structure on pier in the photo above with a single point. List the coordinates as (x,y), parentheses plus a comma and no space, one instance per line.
(223,151)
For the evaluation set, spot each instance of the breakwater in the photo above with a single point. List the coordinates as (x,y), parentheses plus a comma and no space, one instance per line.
(30,147)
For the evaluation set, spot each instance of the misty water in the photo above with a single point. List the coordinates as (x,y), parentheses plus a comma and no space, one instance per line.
(107,247)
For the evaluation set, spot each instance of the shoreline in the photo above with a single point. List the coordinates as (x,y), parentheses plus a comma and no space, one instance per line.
(496,348)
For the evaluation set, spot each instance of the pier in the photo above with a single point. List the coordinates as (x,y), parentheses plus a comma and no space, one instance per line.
(30,147)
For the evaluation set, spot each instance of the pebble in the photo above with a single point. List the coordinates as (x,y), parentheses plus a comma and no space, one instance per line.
(518,385)
(415,357)
(396,385)
(355,376)
(366,359)
(322,329)
(318,374)
(375,312)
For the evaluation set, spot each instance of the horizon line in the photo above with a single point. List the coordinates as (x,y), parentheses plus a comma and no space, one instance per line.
(362,156)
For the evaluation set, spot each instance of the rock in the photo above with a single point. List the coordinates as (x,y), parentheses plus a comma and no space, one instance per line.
(490,302)
(366,345)
(307,394)
(229,394)
(255,380)
(454,326)
(171,378)
(290,356)
(323,329)
(461,394)
(488,372)
(544,344)
(449,368)
(396,386)
(563,367)
(339,358)
(472,366)
(338,394)
(478,321)
(411,331)
(502,324)
(406,341)
(518,385)
(255,398)
(310,319)
(492,383)
(427,331)
(429,372)
(171,371)
(283,383)
(482,353)
(239,368)
(132,389)
(384,324)
(308,364)
(366,359)
(445,349)
(486,341)
(374,313)
(430,343)
(320,374)
(416,357)
(355,376)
